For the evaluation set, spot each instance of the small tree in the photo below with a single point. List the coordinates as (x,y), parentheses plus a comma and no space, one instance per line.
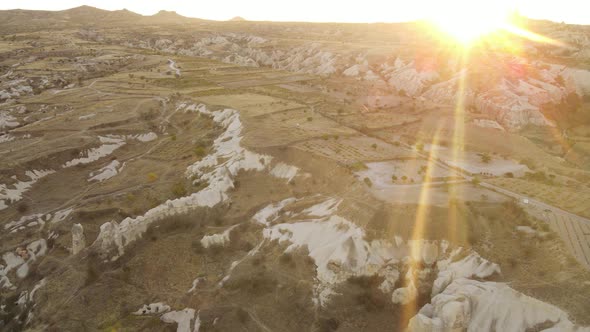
(422,169)
(485,158)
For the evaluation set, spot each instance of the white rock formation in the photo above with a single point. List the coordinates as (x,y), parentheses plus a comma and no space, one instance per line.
(323,209)
(338,249)
(469,267)
(580,78)
(271,212)
(147,137)
(282,170)
(404,295)
(196,283)
(20,262)
(471,305)
(7,121)
(173,67)
(220,239)
(78,239)
(152,308)
(107,172)
(87,116)
(10,193)
(486,123)
(409,79)
(38,220)
(510,109)
(183,318)
(217,169)
(6,138)
(110,144)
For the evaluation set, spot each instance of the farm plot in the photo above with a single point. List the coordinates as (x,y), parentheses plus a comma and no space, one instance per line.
(478,163)
(250,104)
(385,174)
(292,126)
(574,200)
(350,150)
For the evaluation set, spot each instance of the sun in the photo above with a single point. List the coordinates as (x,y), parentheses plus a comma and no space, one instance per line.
(469,21)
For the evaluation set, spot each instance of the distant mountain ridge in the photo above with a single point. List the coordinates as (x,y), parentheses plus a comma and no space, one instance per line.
(20,19)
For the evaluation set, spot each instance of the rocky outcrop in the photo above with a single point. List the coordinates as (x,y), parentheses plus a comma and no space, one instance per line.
(513,111)
(218,169)
(513,99)
(78,239)
(471,305)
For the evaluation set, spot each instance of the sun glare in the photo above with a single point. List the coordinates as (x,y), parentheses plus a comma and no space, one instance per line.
(468,21)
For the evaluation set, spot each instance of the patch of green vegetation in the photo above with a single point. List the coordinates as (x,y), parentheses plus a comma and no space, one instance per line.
(358,166)
(539,176)
(485,158)
(178,189)
(200,151)
(152,177)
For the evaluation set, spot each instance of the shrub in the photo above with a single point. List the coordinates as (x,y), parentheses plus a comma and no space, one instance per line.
(200,151)
(178,190)
(509,174)
(358,166)
(22,208)
(559,80)
(286,258)
(148,115)
(368,182)
(328,324)
(485,158)
(374,146)
(309,118)
(152,177)
(393,178)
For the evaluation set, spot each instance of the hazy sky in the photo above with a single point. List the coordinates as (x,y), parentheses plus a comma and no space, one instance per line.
(571,11)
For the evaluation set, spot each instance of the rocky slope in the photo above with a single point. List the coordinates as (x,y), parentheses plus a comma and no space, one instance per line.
(513,99)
